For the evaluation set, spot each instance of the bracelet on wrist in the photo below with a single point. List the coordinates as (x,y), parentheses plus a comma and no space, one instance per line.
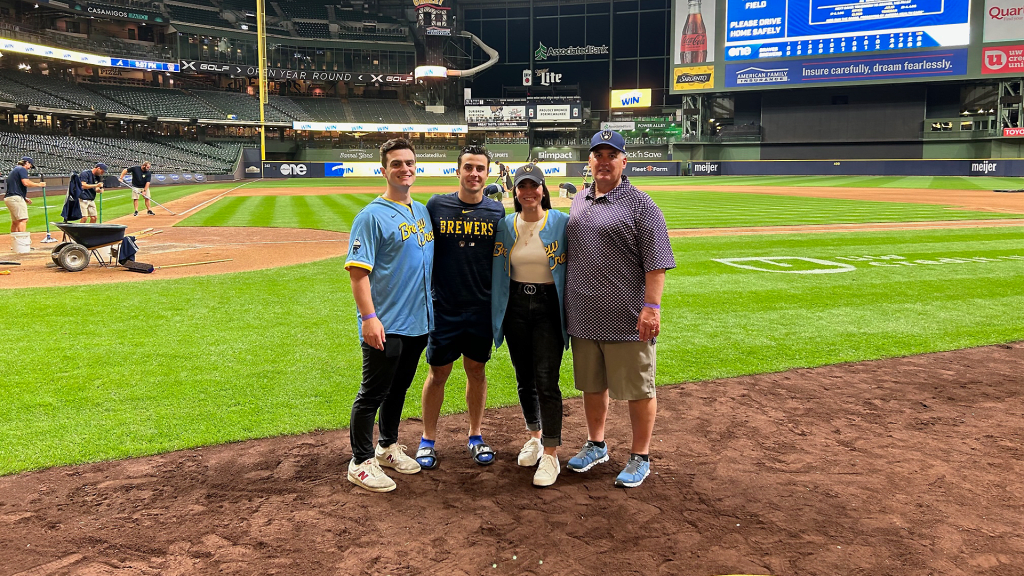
(652,306)
(366,317)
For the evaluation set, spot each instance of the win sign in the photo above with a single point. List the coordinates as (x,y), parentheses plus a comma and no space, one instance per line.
(639,98)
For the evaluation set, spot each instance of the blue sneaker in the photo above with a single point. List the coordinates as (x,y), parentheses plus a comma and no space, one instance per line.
(634,474)
(588,457)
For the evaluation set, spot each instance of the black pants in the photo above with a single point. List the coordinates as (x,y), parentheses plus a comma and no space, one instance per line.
(387,375)
(533,330)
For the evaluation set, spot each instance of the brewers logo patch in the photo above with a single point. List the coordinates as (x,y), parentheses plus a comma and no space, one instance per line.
(606,135)
(694,78)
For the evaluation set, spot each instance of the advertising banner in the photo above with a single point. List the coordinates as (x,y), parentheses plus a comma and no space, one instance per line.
(693,78)
(117,12)
(944,63)
(619,126)
(644,154)
(7,45)
(558,154)
(1004,20)
(294,170)
(553,113)
(1003,60)
(284,74)
(641,168)
(694,32)
(498,116)
(426,169)
(1013,132)
(638,98)
(1001,168)
(779,29)
(390,128)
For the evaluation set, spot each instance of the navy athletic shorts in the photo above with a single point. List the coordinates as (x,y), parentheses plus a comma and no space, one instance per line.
(463,333)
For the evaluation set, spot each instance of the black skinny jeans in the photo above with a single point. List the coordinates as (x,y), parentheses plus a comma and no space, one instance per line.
(533,330)
(387,375)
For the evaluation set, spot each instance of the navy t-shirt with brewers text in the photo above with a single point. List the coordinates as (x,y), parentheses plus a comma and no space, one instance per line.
(140,178)
(15,186)
(463,251)
(87,177)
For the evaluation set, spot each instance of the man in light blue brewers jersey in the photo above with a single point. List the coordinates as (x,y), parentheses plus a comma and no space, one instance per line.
(390,260)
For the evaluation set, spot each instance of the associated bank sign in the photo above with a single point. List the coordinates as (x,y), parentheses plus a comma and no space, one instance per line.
(543,52)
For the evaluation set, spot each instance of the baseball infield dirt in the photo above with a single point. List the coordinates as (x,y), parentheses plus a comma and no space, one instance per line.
(905,467)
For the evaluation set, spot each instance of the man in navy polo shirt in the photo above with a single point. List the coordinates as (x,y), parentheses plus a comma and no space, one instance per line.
(390,258)
(141,177)
(92,184)
(618,251)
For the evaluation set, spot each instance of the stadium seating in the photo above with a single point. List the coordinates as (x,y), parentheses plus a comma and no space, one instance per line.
(312,29)
(160,102)
(303,9)
(245,106)
(22,93)
(77,97)
(62,155)
(181,13)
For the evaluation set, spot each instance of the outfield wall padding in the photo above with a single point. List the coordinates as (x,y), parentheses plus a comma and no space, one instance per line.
(995,167)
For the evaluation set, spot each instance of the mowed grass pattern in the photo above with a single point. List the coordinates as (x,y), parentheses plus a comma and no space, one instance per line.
(684,209)
(206,360)
(918,182)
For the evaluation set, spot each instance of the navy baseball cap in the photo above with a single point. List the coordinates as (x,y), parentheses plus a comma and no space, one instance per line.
(101,166)
(609,138)
(28,159)
(528,172)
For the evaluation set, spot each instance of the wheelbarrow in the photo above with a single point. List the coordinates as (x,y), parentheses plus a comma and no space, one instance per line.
(86,239)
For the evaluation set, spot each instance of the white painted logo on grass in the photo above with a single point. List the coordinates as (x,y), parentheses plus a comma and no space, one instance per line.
(795,264)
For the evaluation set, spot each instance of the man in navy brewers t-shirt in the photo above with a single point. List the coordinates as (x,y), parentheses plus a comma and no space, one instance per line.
(141,176)
(92,184)
(465,223)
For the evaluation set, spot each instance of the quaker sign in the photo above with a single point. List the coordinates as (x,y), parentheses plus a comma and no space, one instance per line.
(197,67)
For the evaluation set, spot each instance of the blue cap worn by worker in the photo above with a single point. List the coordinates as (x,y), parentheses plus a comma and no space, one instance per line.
(101,166)
(609,138)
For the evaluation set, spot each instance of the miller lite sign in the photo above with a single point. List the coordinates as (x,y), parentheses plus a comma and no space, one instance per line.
(527,77)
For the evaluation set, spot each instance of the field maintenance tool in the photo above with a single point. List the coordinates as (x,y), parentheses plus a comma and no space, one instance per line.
(7,263)
(86,239)
(150,198)
(194,263)
(46,215)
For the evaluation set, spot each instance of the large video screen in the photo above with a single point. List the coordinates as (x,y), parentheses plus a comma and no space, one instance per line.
(758,29)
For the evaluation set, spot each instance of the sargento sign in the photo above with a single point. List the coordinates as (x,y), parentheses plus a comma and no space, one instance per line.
(1003,60)
(1013,132)
(304,75)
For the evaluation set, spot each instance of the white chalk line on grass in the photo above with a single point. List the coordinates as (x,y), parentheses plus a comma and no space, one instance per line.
(218,196)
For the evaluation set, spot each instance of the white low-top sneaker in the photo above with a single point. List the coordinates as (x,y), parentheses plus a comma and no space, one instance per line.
(394,456)
(547,470)
(531,452)
(369,475)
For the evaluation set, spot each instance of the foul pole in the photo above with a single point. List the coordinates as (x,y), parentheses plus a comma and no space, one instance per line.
(261,49)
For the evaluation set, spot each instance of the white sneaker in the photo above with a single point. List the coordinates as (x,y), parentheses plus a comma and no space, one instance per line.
(547,471)
(394,456)
(369,475)
(531,452)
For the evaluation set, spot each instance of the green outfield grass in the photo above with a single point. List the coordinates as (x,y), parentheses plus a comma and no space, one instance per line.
(683,209)
(117,202)
(923,182)
(117,370)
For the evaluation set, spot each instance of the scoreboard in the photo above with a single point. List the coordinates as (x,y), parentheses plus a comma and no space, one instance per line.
(760,29)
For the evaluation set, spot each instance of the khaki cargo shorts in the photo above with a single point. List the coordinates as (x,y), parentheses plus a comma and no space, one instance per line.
(17,207)
(625,369)
(136,192)
(88,208)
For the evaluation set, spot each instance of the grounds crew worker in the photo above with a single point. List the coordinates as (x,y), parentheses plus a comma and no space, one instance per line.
(16,198)
(141,175)
(390,260)
(92,184)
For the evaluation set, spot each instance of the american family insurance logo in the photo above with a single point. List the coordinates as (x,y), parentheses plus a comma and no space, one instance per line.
(762,76)
(1003,60)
